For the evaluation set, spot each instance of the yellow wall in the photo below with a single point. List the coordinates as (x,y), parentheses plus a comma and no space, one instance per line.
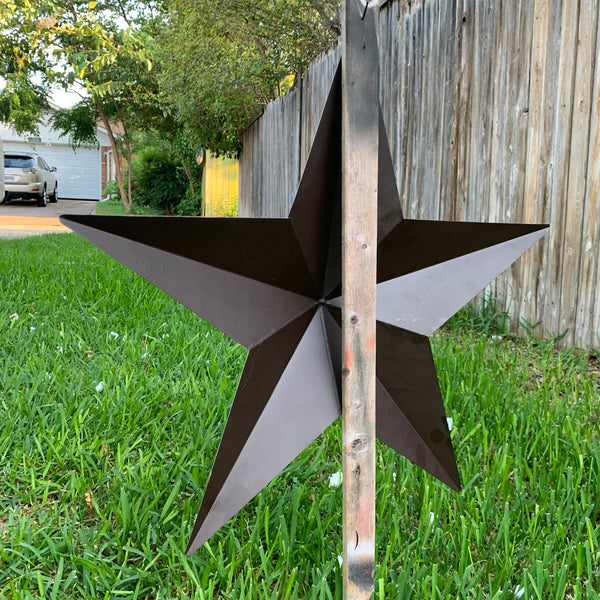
(220,187)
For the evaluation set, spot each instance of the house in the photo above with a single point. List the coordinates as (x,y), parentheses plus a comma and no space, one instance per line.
(82,173)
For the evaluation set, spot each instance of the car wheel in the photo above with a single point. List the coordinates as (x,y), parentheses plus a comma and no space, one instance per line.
(54,196)
(41,200)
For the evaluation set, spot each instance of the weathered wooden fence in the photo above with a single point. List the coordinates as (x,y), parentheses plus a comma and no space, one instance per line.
(492,109)
(276,146)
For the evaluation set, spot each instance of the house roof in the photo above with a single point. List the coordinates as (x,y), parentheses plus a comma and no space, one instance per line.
(47,135)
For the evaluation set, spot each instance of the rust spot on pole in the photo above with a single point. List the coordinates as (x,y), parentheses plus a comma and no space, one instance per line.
(348,359)
(371,342)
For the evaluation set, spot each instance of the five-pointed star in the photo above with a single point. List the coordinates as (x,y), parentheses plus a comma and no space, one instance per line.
(274,286)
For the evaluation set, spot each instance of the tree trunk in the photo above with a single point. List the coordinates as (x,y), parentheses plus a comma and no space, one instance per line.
(116,153)
(129,160)
(188,174)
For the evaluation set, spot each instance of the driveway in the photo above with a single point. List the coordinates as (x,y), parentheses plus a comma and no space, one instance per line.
(21,219)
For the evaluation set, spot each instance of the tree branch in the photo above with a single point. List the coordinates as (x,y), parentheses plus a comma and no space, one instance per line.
(123,13)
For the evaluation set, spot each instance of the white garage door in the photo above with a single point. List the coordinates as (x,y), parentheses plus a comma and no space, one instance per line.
(77,171)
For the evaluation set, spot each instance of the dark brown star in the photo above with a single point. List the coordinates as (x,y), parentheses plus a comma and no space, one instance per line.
(274,286)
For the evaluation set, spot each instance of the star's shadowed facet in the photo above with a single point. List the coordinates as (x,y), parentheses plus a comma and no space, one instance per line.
(274,286)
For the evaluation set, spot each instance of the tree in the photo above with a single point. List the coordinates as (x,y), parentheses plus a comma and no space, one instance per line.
(122,98)
(97,42)
(21,103)
(221,62)
(196,71)
(21,100)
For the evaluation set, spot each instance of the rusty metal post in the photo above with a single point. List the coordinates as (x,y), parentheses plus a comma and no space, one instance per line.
(360,142)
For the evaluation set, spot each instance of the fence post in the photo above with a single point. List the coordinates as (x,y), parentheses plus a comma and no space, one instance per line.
(360,142)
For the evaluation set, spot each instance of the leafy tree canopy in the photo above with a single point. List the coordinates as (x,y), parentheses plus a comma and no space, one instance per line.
(221,62)
(21,60)
(98,42)
(196,72)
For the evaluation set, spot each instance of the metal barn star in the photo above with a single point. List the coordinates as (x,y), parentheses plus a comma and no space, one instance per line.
(274,286)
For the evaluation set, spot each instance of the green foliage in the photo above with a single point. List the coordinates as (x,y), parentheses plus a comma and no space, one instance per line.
(112,189)
(159,187)
(231,209)
(190,205)
(485,317)
(84,38)
(21,59)
(99,485)
(79,123)
(194,72)
(112,207)
(220,63)
(101,44)
(158,179)
(197,72)
(115,208)
(174,139)
(21,103)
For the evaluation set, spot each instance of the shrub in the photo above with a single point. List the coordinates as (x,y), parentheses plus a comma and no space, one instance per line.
(112,189)
(158,179)
(190,205)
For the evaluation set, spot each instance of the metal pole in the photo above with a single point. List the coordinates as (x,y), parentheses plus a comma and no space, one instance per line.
(360,142)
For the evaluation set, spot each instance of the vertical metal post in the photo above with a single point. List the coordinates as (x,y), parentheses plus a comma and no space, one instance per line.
(360,142)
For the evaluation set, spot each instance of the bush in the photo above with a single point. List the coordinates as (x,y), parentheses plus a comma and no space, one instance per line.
(190,205)
(158,179)
(112,189)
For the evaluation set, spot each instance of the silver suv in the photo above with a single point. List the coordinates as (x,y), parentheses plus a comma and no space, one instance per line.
(27,175)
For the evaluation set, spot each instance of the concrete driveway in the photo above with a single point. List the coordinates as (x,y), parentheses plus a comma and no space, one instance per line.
(21,219)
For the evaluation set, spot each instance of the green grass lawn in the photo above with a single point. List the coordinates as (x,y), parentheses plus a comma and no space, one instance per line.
(110,207)
(116,208)
(113,400)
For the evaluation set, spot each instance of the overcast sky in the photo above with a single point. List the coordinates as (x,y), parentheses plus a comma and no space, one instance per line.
(64,99)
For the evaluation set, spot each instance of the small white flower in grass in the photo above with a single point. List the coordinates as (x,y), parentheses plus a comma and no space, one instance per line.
(394,476)
(14,317)
(497,337)
(164,325)
(100,386)
(335,479)
(114,334)
(32,329)
(79,345)
(60,349)
(519,591)
(144,355)
(431,517)
(48,376)
(340,560)
(61,333)
(450,423)
(165,335)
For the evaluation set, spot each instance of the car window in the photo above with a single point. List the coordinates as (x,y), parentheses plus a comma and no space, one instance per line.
(43,164)
(18,162)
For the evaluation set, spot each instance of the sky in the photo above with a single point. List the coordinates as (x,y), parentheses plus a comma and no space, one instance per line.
(64,99)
